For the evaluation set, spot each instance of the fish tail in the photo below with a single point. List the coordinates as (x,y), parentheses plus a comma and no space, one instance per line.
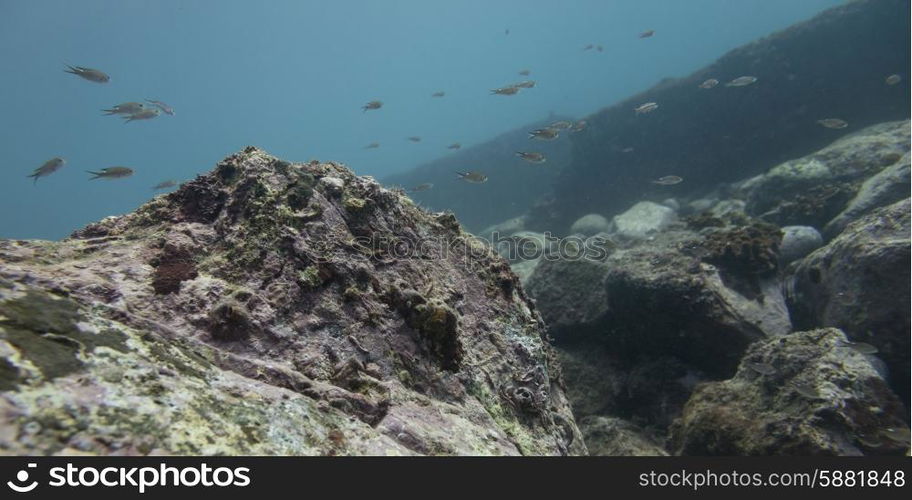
(461,174)
(98,175)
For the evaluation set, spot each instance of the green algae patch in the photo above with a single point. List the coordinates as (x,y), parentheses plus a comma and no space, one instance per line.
(44,329)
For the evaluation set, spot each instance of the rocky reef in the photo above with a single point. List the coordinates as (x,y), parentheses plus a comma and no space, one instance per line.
(708,136)
(713,325)
(260,309)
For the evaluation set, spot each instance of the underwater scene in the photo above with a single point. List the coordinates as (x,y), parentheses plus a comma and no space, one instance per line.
(417,227)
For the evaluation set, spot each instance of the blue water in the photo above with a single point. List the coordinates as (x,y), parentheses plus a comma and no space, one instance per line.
(291,76)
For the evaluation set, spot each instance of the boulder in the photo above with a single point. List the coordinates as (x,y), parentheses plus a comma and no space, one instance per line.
(643,220)
(504,229)
(797,242)
(859,283)
(639,328)
(274,308)
(808,393)
(814,189)
(887,186)
(590,225)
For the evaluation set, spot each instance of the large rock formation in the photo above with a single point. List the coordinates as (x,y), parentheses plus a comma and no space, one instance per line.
(805,73)
(270,308)
(844,180)
(860,283)
(810,393)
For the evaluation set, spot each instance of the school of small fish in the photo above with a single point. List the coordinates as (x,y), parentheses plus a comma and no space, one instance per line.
(152,108)
(128,111)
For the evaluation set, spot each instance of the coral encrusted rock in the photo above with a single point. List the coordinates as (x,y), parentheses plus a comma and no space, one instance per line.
(271,307)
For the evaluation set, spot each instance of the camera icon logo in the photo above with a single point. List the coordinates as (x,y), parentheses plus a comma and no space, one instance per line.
(22,476)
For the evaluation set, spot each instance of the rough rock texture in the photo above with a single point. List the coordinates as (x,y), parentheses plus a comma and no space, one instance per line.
(814,189)
(255,310)
(729,133)
(643,220)
(860,284)
(797,242)
(637,330)
(802,394)
(613,437)
(887,186)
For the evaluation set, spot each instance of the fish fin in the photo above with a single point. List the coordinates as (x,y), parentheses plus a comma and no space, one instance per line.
(97,175)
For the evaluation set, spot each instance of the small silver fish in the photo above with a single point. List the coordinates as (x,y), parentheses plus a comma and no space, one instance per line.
(532,157)
(860,347)
(162,106)
(893,79)
(421,187)
(414,138)
(899,435)
(92,75)
(741,81)
(525,72)
(644,108)
(438,94)
(371,105)
(506,91)
(111,173)
(668,180)
(834,123)
(806,389)
(528,84)
(373,145)
(49,167)
(127,108)
(455,145)
(589,47)
(561,125)
(164,185)
(579,126)
(628,149)
(761,368)
(146,114)
(647,33)
(473,177)
(708,84)
(544,134)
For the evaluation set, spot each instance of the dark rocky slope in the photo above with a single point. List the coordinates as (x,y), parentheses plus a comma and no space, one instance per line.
(513,185)
(697,320)
(833,65)
(253,311)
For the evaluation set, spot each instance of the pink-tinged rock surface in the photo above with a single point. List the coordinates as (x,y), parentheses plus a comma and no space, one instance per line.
(254,312)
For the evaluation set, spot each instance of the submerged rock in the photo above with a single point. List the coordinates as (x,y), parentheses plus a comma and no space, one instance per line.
(590,224)
(802,394)
(268,308)
(814,189)
(887,186)
(636,330)
(860,283)
(614,437)
(797,242)
(643,220)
